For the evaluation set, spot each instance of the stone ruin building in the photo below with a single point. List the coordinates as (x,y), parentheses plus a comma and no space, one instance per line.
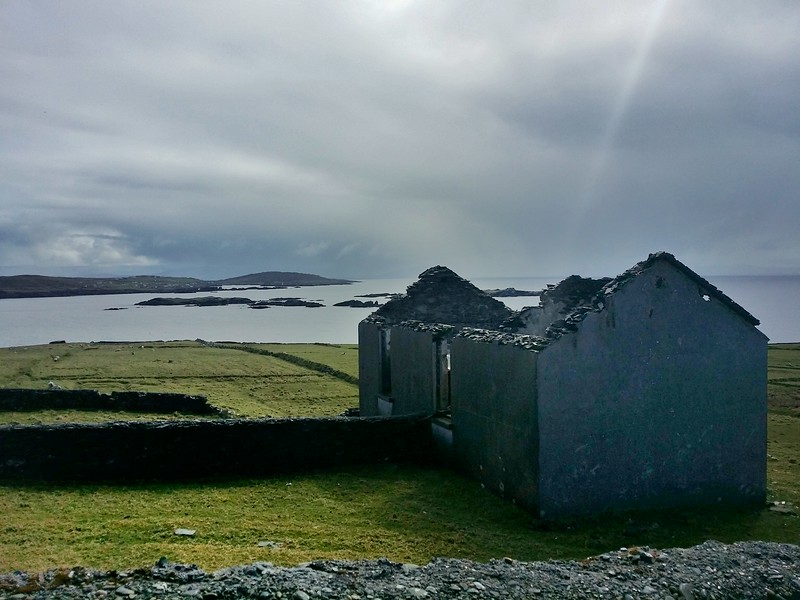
(646,390)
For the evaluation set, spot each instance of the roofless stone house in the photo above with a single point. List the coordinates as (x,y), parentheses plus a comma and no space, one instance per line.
(646,390)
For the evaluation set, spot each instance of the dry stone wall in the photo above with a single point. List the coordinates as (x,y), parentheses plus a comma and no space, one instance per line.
(24,400)
(184,450)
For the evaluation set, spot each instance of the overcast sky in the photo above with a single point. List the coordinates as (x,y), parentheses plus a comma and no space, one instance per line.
(377,138)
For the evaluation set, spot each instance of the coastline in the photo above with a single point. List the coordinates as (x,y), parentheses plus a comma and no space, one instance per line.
(41,286)
(26,321)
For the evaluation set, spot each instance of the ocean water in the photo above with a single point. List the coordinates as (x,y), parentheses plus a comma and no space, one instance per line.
(28,321)
(775,301)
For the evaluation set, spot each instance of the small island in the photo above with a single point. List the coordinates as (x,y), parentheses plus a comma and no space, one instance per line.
(358,303)
(286,302)
(222,301)
(258,304)
(201,301)
(512,293)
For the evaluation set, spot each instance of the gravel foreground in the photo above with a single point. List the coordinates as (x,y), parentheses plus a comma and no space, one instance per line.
(711,570)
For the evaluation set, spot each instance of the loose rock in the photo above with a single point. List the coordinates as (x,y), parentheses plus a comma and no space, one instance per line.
(710,570)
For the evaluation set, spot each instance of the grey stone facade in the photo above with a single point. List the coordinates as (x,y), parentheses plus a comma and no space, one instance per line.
(646,390)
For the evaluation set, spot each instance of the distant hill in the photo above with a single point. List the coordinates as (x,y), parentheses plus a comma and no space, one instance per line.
(287,278)
(40,286)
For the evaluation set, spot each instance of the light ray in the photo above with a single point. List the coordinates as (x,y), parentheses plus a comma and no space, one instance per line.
(633,76)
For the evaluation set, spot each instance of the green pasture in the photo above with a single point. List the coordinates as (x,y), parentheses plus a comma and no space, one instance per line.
(342,357)
(405,513)
(784,378)
(244,383)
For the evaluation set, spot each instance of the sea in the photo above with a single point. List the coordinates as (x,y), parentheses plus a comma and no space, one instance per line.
(774,300)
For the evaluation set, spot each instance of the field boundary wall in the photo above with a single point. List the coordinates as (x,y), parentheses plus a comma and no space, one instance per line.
(191,450)
(291,358)
(26,400)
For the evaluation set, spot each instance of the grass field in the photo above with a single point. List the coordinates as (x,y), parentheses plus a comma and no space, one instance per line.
(342,357)
(246,384)
(784,378)
(405,513)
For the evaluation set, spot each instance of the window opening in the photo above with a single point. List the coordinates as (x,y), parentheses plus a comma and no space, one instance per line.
(386,362)
(442,383)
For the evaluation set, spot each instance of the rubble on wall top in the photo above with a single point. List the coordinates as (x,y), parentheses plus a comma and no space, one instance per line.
(598,301)
(574,297)
(439,330)
(443,302)
(570,323)
(640,267)
(441,296)
(376,319)
(439,272)
(490,336)
(574,290)
(582,296)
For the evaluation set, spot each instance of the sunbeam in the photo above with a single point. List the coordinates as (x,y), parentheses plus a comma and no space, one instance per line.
(633,75)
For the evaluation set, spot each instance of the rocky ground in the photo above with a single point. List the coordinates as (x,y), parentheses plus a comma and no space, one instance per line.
(710,570)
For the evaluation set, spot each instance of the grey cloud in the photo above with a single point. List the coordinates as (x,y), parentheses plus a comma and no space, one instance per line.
(368,139)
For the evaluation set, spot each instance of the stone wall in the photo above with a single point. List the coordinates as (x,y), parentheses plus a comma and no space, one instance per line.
(413,372)
(24,400)
(182,450)
(495,429)
(369,367)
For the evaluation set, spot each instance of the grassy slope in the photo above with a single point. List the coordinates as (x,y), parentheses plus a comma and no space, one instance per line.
(26,286)
(404,513)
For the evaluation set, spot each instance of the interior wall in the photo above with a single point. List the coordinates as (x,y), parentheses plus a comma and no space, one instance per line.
(494,417)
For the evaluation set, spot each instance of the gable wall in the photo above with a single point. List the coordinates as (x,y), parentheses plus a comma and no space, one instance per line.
(537,319)
(660,399)
(493,394)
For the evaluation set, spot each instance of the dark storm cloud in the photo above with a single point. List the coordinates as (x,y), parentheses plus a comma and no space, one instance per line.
(378,138)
